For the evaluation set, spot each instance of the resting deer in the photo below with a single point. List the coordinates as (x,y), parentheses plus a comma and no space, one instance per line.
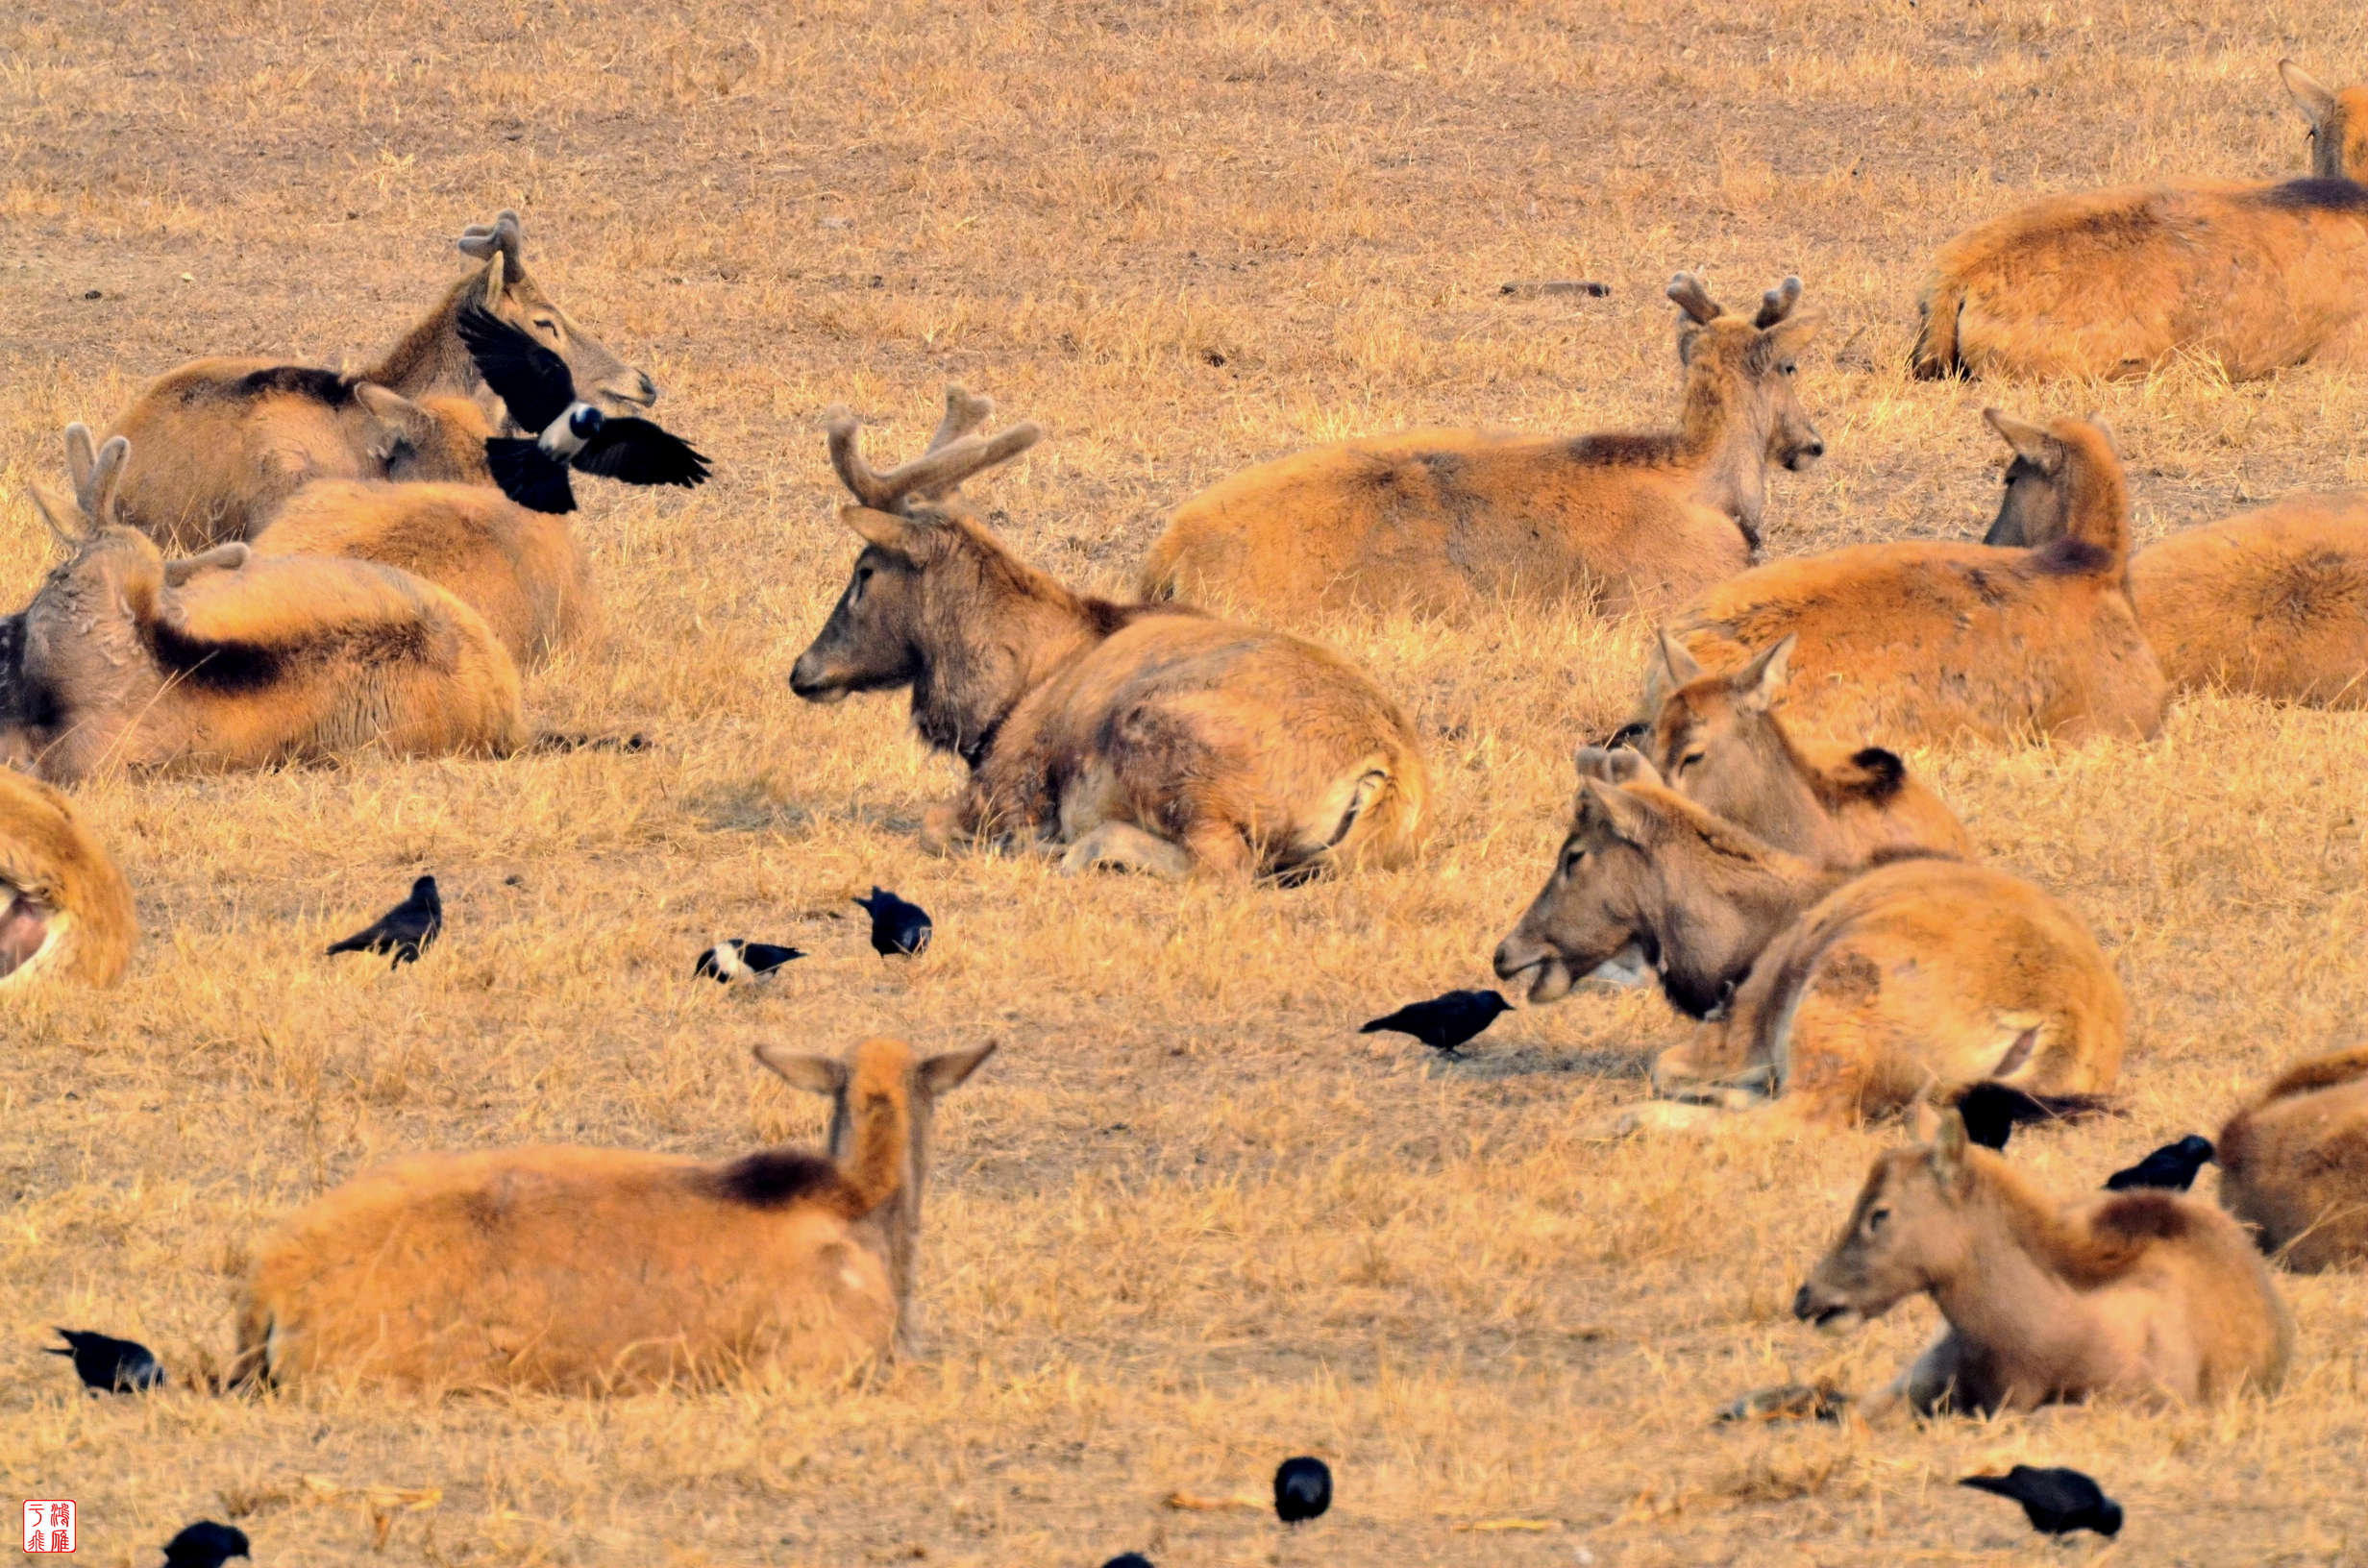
(1927,641)
(1834,994)
(126,659)
(2251,276)
(2294,1164)
(2143,1294)
(608,1270)
(1150,738)
(1441,519)
(65,912)
(223,442)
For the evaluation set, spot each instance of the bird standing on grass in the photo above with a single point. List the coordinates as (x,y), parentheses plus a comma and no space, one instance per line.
(403,931)
(898,928)
(205,1545)
(570,433)
(109,1366)
(2057,1501)
(1445,1023)
(734,959)
(1302,1489)
(2173,1166)
(1128,1559)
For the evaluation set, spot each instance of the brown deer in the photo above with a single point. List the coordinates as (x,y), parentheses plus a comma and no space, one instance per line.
(2145,1294)
(65,912)
(1719,741)
(2272,601)
(1923,641)
(2294,1164)
(1150,738)
(2251,276)
(125,659)
(1834,994)
(1439,520)
(610,1270)
(223,442)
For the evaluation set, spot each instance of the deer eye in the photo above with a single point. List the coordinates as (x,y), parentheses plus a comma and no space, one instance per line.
(1691,759)
(544,324)
(1789,368)
(1572,859)
(1876,1219)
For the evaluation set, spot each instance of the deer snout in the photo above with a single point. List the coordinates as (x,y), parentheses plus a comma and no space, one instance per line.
(1828,1313)
(628,390)
(811,680)
(1524,960)
(1804,456)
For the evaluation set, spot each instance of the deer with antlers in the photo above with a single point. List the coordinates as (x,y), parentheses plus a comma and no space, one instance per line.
(1143,737)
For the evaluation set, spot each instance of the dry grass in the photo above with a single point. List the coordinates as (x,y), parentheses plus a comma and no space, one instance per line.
(1188,1222)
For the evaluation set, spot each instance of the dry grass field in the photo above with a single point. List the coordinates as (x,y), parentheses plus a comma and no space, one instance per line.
(1188,1221)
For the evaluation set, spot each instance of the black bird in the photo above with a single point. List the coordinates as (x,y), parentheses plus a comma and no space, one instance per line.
(2173,1166)
(404,931)
(1302,1489)
(206,1545)
(109,1366)
(2057,1500)
(1128,1559)
(1993,1111)
(734,959)
(1445,1023)
(896,926)
(541,395)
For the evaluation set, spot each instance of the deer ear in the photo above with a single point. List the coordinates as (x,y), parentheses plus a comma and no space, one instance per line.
(1924,1121)
(1682,666)
(1950,1163)
(2314,99)
(1757,682)
(394,418)
(1797,331)
(2029,441)
(946,1073)
(1618,812)
(899,536)
(65,520)
(801,1070)
(496,280)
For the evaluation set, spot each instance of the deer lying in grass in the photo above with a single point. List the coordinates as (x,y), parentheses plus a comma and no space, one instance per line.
(2146,1293)
(1717,741)
(608,1270)
(128,660)
(223,442)
(2272,601)
(1918,641)
(2294,1164)
(1836,994)
(1150,738)
(65,913)
(2251,276)
(1440,519)
(523,571)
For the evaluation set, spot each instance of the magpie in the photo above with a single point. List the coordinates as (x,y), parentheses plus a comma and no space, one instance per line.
(734,959)
(109,1366)
(1445,1023)
(2057,1501)
(403,931)
(206,1545)
(541,395)
(896,926)
(1302,1489)
(2173,1166)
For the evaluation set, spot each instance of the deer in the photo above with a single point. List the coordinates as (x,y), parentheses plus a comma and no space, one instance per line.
(1134,737)
(1442,521)
(1822,996)
(2148,1295)
(523,571)
(1717,740)
(223,442)
(2271,602)
(1921,642)
(125,659)
(2294,1164)
(2249,277)
(65,910)
(599,1271)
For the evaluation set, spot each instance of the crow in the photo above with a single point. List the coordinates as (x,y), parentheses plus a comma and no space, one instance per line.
(2057,1500)
(109,1366)
(896,926)
(406,930)
(541,395)
(734,959)
(2173,1166)
(1445,1023)
(1128,1559)
(1302,1489)
(206,1545)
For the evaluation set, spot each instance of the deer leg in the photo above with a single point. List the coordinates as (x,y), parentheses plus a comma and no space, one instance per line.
(1124,846)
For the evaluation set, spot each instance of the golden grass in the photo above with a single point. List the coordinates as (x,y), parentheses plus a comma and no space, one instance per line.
(1188,1222)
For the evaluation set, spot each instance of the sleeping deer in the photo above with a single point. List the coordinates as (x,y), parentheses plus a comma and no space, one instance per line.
(610,1270)
(1150,738)
(1442,520)
(2251,276)
(223,442)
(128,660)
(1921,641)
(2294,1164)
(65,912)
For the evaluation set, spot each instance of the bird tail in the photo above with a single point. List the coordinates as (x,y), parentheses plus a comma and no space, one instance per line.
(1375,1027)
(529,475)
(360,943)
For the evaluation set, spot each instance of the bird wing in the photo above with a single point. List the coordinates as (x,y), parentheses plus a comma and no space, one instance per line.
(529,475)
(530,379)
(639,452)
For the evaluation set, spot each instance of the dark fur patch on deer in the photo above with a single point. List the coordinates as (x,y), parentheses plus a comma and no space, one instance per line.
(2143,1215)
(2069,558)
(1882,774)
(772,1178)
(322,386)
(2317,195)
(1624,450)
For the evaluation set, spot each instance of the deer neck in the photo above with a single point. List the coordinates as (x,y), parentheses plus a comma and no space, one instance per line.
(1715,920)
(2000,1291)
(988,647)
(430,357)
(1727,449)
